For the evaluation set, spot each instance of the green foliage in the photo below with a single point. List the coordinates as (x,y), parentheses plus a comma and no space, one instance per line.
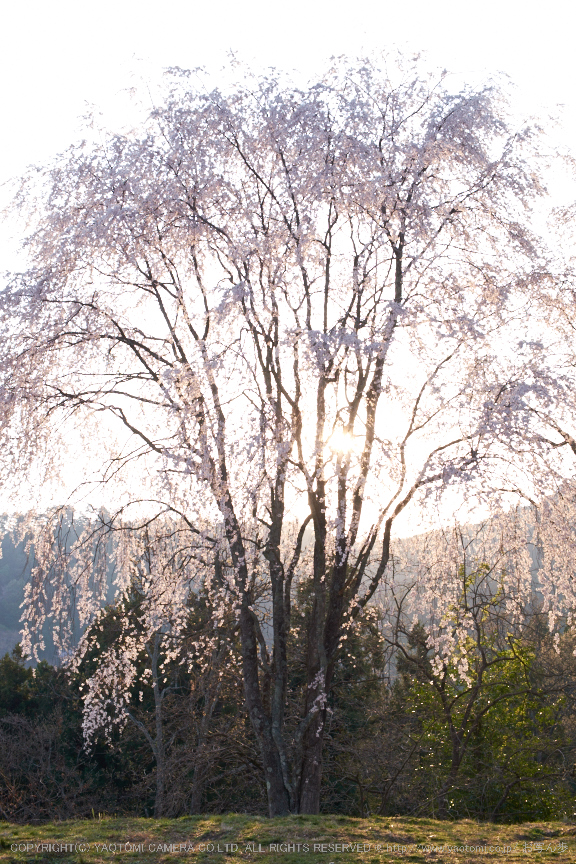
(43,769)
(484,730)
(510,734)
(31,692)
(489,732)
(358,691)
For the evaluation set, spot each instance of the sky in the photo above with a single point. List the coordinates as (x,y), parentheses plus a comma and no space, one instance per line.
(59,57)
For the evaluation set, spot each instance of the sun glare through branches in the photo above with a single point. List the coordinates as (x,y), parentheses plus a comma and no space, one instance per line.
(292,318)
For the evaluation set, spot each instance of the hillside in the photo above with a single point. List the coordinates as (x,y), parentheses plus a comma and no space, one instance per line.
(14,574)
(292,840)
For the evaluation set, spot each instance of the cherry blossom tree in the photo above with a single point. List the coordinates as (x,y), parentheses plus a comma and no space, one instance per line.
(290,301)
(154,638)
(536,427)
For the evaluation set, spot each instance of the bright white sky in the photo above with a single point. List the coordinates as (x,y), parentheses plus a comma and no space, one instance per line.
(58,56)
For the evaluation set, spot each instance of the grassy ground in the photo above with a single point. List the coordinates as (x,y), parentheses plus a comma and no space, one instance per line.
(294,840)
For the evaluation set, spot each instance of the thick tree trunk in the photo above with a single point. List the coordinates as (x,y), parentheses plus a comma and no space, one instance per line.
(278,794)
(311,771)
(278,797)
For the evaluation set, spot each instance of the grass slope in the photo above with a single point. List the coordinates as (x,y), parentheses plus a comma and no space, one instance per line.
(294,840)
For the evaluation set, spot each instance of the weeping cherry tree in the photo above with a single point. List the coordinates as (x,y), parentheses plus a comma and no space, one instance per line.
(285,304)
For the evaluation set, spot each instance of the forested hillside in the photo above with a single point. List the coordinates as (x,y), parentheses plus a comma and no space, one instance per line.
(489,734)
(14,573)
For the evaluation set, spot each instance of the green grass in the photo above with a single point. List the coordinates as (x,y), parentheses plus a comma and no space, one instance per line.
(235,838)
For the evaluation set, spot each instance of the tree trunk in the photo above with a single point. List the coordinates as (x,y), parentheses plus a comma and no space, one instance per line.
(457,753)
(159,751)
(311,771)
(278,797)
(278,794)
